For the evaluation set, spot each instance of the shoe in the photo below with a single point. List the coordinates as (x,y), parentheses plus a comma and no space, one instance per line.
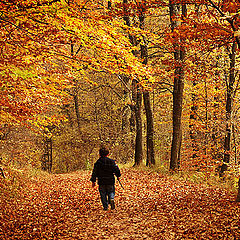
(112,203)
(105,209)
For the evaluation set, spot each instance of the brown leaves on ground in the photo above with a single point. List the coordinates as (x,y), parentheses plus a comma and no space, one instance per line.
(150,206)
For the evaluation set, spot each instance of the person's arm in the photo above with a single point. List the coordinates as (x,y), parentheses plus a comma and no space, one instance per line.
(94,175)
(116,170)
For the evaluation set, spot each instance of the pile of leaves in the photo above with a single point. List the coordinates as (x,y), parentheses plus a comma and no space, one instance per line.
(150,206)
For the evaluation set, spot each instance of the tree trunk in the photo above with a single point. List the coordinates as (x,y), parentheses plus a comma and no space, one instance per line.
(150,130)
(47,156)
(109,4)
(238,195)
(229,102)
(146,95)
(50,156)
(179,55)
(205,147)
(67,112)
(177,123)
(76,105)
(138,117)
(193,118)
(2,172)
(127,111)
(5,130)
(96,113)
(136,96)
(75,95)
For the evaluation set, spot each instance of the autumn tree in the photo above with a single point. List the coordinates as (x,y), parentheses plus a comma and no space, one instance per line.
(233,23)
(83,67)
(223,10)
(179,54)
(223,34)
(136,92)
(134,15)
(146,93)
(41,36)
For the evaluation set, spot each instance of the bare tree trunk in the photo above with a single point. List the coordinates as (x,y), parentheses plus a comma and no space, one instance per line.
(235,144)
(50,155)
(2,172)
(193,118)
(96,112)
(146,95)
(47,156)
(179,55)
(229,102)
(109,4)
(177,123)
(75,95)
(75,98)
(138,117)
(238,195)
(5,130)
(150,130)
(205,147)
(67,112)
(136,96)
(127,111)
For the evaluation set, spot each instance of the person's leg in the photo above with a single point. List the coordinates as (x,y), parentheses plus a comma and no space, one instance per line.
(111,195)
(103,195)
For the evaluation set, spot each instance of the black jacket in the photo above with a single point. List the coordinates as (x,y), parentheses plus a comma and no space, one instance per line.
(104,170)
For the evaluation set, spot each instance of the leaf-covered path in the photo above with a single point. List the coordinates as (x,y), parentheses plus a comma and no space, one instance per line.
(150,206)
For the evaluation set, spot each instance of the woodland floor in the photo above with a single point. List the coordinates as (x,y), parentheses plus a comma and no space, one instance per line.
(150,206)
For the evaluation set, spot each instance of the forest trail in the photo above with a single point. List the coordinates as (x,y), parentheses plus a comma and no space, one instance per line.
(150,206)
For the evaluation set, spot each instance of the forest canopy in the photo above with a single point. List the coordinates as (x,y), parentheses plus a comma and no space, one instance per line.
(158,81)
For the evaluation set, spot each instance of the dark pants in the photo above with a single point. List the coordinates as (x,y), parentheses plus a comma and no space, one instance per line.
(107,192)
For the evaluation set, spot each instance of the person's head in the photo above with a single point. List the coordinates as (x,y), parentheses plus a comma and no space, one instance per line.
(103,152)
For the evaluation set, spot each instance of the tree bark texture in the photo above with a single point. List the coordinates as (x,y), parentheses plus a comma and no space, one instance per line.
(109,4)
(75,95)
(179,55)
(136,96)
(138,117)
(230,84)
(150,130)
(47,156)
(146,96)
(127,124)
(2,172)
(193,118)
(66,111)
(76,105)
(238,195)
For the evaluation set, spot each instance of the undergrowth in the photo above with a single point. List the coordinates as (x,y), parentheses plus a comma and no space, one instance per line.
(13,185)
(229,182)
(16,180)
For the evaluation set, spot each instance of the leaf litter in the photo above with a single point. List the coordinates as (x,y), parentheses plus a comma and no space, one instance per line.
(151,206)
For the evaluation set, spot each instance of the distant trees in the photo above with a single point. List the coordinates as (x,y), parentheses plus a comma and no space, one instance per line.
(91,68)
(134,16)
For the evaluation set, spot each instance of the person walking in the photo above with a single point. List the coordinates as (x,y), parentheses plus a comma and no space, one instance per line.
(105,169)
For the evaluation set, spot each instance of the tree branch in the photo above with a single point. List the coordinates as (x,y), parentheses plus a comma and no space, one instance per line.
(39,4)
(228,19)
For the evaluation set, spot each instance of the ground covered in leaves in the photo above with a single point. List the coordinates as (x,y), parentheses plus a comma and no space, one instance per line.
(150,206)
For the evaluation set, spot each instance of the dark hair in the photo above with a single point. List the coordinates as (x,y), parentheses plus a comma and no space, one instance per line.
(103,152)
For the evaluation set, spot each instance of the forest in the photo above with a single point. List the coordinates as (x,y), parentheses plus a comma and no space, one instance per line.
(156,81)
